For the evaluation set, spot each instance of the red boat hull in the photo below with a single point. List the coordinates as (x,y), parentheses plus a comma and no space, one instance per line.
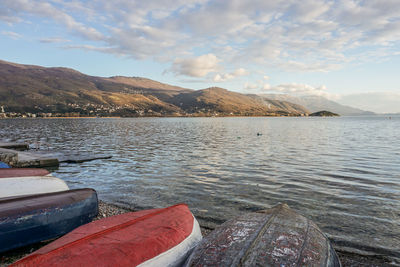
(129,239)
(22,172)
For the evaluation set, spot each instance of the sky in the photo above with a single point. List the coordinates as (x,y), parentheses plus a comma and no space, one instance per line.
(347,51)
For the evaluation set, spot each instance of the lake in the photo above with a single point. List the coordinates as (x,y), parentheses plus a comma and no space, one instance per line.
(343,173)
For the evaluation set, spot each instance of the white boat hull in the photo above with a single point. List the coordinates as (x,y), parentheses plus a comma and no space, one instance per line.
(18,186)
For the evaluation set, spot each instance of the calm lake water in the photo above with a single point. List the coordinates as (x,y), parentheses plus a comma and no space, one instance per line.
(343,173)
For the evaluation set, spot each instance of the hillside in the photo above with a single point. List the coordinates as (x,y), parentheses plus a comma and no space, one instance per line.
(281,105)
(36,89)
(323,113)
(317,103)
(222,101)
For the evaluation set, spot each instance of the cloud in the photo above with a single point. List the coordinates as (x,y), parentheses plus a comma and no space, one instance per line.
(266,87)
(230,76)
(258,86)
(196,67)
(12,35)
(298,89)
(310,67)
(90,48)
(299,36)
(295,89)
(53,40)
(251,86)
(47,10)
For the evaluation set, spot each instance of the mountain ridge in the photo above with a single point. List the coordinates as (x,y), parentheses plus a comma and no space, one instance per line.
(318,103)
(30,88)
(59,90)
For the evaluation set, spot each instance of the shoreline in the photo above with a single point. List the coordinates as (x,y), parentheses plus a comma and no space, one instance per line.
(107,210)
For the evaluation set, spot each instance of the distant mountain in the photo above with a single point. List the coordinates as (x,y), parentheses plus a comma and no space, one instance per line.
(219,100)
(36,89)
(379,102)
(144,83)
(318,103)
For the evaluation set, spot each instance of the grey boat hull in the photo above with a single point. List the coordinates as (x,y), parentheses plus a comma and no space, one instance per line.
(275,237)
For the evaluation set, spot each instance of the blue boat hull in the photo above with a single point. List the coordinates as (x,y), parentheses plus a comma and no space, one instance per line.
(3,165)
(30,219)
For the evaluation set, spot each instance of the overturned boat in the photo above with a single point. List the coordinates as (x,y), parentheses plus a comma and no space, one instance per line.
(30,185)
(22,172)
(275,237)
(26,220)
(157,237)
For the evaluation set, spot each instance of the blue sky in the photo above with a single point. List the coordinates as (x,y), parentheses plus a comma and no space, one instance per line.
(344,50)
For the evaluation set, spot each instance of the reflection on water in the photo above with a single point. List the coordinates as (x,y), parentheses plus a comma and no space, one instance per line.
(344,173)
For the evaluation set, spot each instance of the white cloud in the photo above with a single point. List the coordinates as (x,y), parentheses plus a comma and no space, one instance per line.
(305,36)
(251,86)
(47,10)
(259,86)
(240,72)
(295,89)
(196,67)
(12,35)
(54,40)
(310,67)
(266,87)
(230,76)
(223,77)
(300,89)
(90,48)
(309,10)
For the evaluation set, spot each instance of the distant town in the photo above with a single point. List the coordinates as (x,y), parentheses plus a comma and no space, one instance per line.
(87,110)
(92,110)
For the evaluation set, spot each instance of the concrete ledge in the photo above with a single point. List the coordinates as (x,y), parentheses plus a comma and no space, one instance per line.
(43,158)
(8,156)
(15,146)
(27,159)
(21,159)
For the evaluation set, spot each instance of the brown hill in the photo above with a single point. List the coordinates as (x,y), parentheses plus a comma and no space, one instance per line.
(224,102)
(35,88)
(28,88)
(279,105)
(144,83)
